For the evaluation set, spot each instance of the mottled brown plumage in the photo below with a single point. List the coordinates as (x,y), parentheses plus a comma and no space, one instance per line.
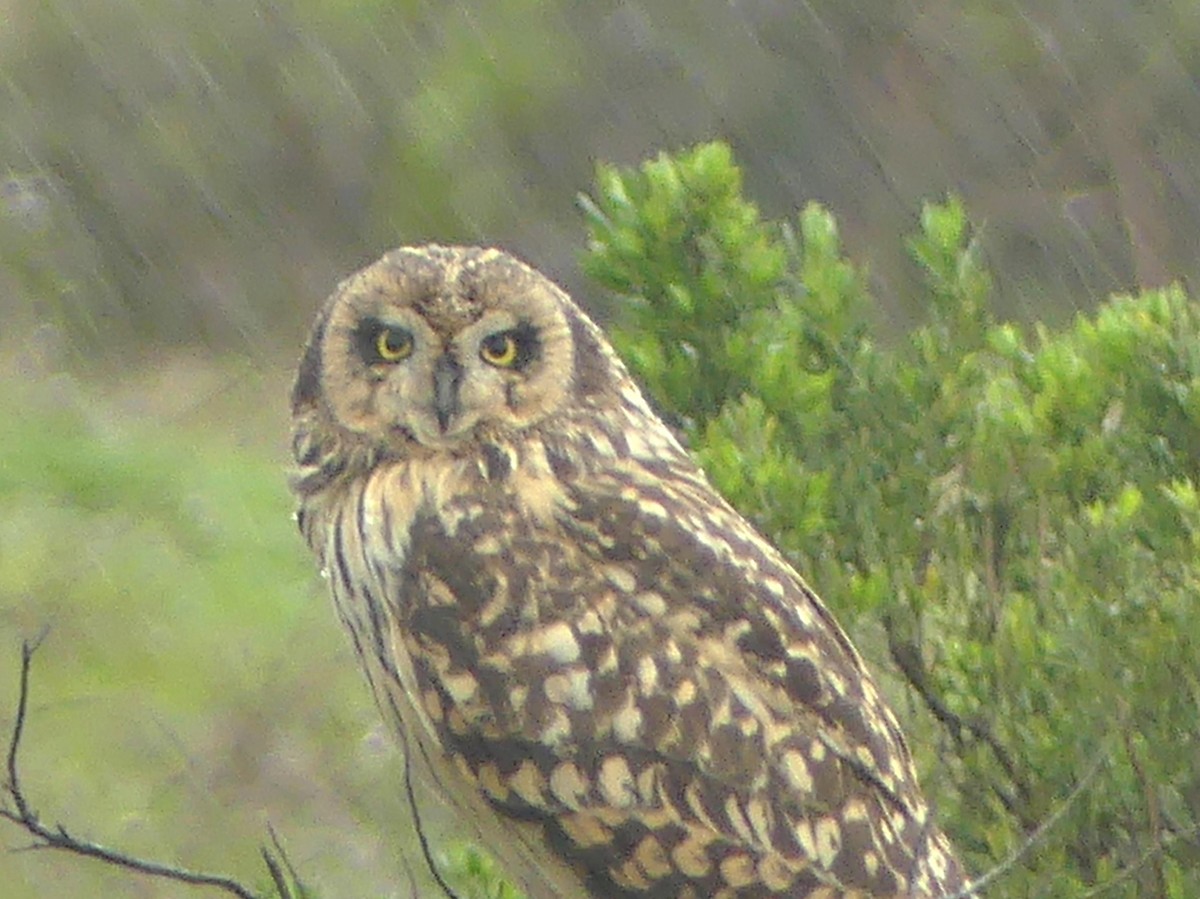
(619,685)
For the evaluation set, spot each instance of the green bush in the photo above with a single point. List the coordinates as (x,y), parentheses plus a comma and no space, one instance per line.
(1007,523)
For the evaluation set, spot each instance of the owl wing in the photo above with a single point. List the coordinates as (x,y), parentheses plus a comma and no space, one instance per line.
(649,679)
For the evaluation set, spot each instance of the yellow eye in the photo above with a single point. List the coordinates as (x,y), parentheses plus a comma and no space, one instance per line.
(394,344)
(500,349)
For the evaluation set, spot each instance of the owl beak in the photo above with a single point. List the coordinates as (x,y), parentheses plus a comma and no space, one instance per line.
(447,376)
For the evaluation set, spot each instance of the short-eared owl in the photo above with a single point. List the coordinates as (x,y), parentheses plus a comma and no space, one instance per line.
(619,685)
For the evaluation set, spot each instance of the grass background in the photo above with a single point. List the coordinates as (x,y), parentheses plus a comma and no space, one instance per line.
(194,683)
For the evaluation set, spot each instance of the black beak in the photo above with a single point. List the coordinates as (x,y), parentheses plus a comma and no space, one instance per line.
(447,375)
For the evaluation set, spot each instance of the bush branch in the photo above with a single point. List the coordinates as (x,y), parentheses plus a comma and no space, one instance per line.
(907,658)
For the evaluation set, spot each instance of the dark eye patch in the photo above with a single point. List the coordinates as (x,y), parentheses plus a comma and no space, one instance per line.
(526,341)
(372,337)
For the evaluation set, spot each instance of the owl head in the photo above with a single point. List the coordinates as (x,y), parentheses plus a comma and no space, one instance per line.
(434,349)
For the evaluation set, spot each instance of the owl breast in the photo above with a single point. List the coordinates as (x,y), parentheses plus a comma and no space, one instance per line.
(429,595)
(512,613)
(477,581)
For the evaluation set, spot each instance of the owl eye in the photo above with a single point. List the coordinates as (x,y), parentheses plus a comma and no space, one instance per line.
(500,349)
(380,343)
(513,348)
(393,344)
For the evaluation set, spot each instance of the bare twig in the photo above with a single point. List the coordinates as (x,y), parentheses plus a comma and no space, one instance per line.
(426,851)
(285,877)
(908,659)
(1153,814)
(45,836)
(977,886)
(276,871)
(1131,870)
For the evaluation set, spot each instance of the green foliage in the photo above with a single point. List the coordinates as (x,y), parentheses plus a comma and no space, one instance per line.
(475,875)
(692,258)
(1013,519)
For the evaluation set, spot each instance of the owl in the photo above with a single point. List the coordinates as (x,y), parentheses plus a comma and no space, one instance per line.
(610,678)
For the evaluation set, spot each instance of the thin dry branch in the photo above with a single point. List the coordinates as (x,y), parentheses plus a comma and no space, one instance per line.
(977,886)
(908,659)
(21,813)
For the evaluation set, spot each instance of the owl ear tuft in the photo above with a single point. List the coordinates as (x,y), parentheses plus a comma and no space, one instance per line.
(593,374)
(307,389)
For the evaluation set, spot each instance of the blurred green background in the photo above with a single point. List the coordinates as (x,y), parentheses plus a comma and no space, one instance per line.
(182,183)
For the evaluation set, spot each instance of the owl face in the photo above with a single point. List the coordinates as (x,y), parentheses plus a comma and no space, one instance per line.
(437,349)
